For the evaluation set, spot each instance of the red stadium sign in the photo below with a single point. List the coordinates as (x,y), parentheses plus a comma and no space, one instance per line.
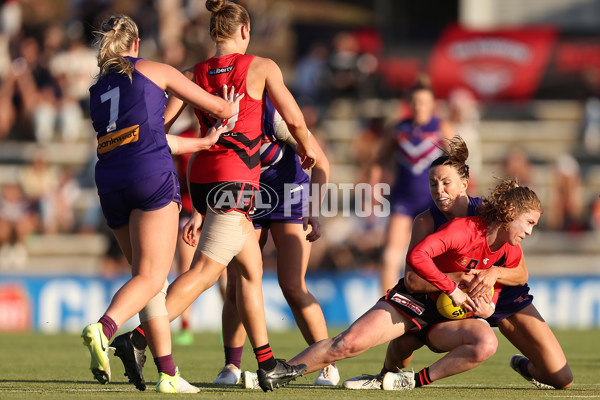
(505,64)
(15,309)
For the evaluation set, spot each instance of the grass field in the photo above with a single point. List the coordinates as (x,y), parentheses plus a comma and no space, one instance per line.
(56,367)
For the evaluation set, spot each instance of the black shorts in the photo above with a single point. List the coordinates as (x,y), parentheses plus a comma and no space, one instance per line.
(224,197)
(418,307)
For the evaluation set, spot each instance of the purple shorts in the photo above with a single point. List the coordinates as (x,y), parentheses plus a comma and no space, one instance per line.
(511,300)
(289,204)
(151,193)
(411,206)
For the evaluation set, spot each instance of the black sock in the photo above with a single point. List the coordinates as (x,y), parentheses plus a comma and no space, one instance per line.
(264,356)
(138,338)
(422,378)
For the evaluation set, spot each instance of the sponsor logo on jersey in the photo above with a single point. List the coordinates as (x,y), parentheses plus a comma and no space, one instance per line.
(466,262)
(121,137)
(403,301)
(217,71)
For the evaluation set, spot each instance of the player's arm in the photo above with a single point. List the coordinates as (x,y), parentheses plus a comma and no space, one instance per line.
(287,107)
(420,257)
(485,279)
(175,105)
(319,177)
(173,81)
(187,145)
(423,226)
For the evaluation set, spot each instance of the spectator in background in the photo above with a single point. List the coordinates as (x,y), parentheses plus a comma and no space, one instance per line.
(517,164)
(312,80)
(38,181)
(566,195)
(59,216)
(73,69)
(17,220)
(343,62)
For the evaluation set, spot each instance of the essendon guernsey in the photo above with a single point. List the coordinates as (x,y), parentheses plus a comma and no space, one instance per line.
(458,246)
(236,156)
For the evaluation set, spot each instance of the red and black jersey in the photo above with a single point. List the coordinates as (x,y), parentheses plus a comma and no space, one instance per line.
(236,155)
(458,246)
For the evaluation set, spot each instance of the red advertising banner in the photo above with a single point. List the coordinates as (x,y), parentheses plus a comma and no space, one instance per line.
(15,308)
(505,64)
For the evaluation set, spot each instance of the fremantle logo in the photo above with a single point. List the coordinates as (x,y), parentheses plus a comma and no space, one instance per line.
(217,71)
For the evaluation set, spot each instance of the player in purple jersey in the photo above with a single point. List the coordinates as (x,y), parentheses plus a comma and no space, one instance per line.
(506,217)
(516,317)
(284,212)
(138,188)
(415,142)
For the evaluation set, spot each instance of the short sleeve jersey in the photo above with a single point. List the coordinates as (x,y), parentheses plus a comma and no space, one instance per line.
(235,157)
(458,246)
(128,118)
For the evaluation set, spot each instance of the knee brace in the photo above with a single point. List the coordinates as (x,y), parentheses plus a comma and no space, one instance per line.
(157,306)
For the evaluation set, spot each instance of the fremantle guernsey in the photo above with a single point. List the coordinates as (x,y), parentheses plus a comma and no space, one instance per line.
(440,219)
(416,148)
(458,246)
(128,118)
(235,157)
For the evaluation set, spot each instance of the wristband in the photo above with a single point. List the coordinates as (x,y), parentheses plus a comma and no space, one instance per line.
(454,291)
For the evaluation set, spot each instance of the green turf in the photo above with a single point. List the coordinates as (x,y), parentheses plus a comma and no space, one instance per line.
(56,367)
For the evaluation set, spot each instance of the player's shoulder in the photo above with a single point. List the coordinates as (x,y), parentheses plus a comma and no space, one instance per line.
(467,223)
(264,63)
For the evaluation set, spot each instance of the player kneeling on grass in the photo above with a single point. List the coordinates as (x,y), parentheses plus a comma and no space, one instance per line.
(544,363)
(506,217)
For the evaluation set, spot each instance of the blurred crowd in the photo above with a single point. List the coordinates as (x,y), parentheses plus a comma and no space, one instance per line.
(47,63)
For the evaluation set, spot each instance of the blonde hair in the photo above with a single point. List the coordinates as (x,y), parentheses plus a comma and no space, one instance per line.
(456,157)
(507,201)
(116,35)
(225,18)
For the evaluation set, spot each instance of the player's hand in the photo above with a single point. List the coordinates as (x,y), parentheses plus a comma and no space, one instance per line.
(482,283)
(215,132)
(308,157)
(191,230)
(315,231)
(460,298)
(232,98)
(483,308)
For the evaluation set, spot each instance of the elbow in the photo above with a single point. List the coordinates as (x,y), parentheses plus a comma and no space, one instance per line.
(409,282)
(524,278)
(295,125)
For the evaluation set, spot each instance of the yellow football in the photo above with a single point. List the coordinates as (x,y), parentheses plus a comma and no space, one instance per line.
(448,310)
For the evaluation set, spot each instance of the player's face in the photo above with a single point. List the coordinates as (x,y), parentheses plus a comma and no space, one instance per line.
(522,226)
(446,187)
(422,105)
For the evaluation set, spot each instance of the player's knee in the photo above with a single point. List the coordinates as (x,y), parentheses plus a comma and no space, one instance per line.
(564,379)
(346,345)
(294,295)
(485,347)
